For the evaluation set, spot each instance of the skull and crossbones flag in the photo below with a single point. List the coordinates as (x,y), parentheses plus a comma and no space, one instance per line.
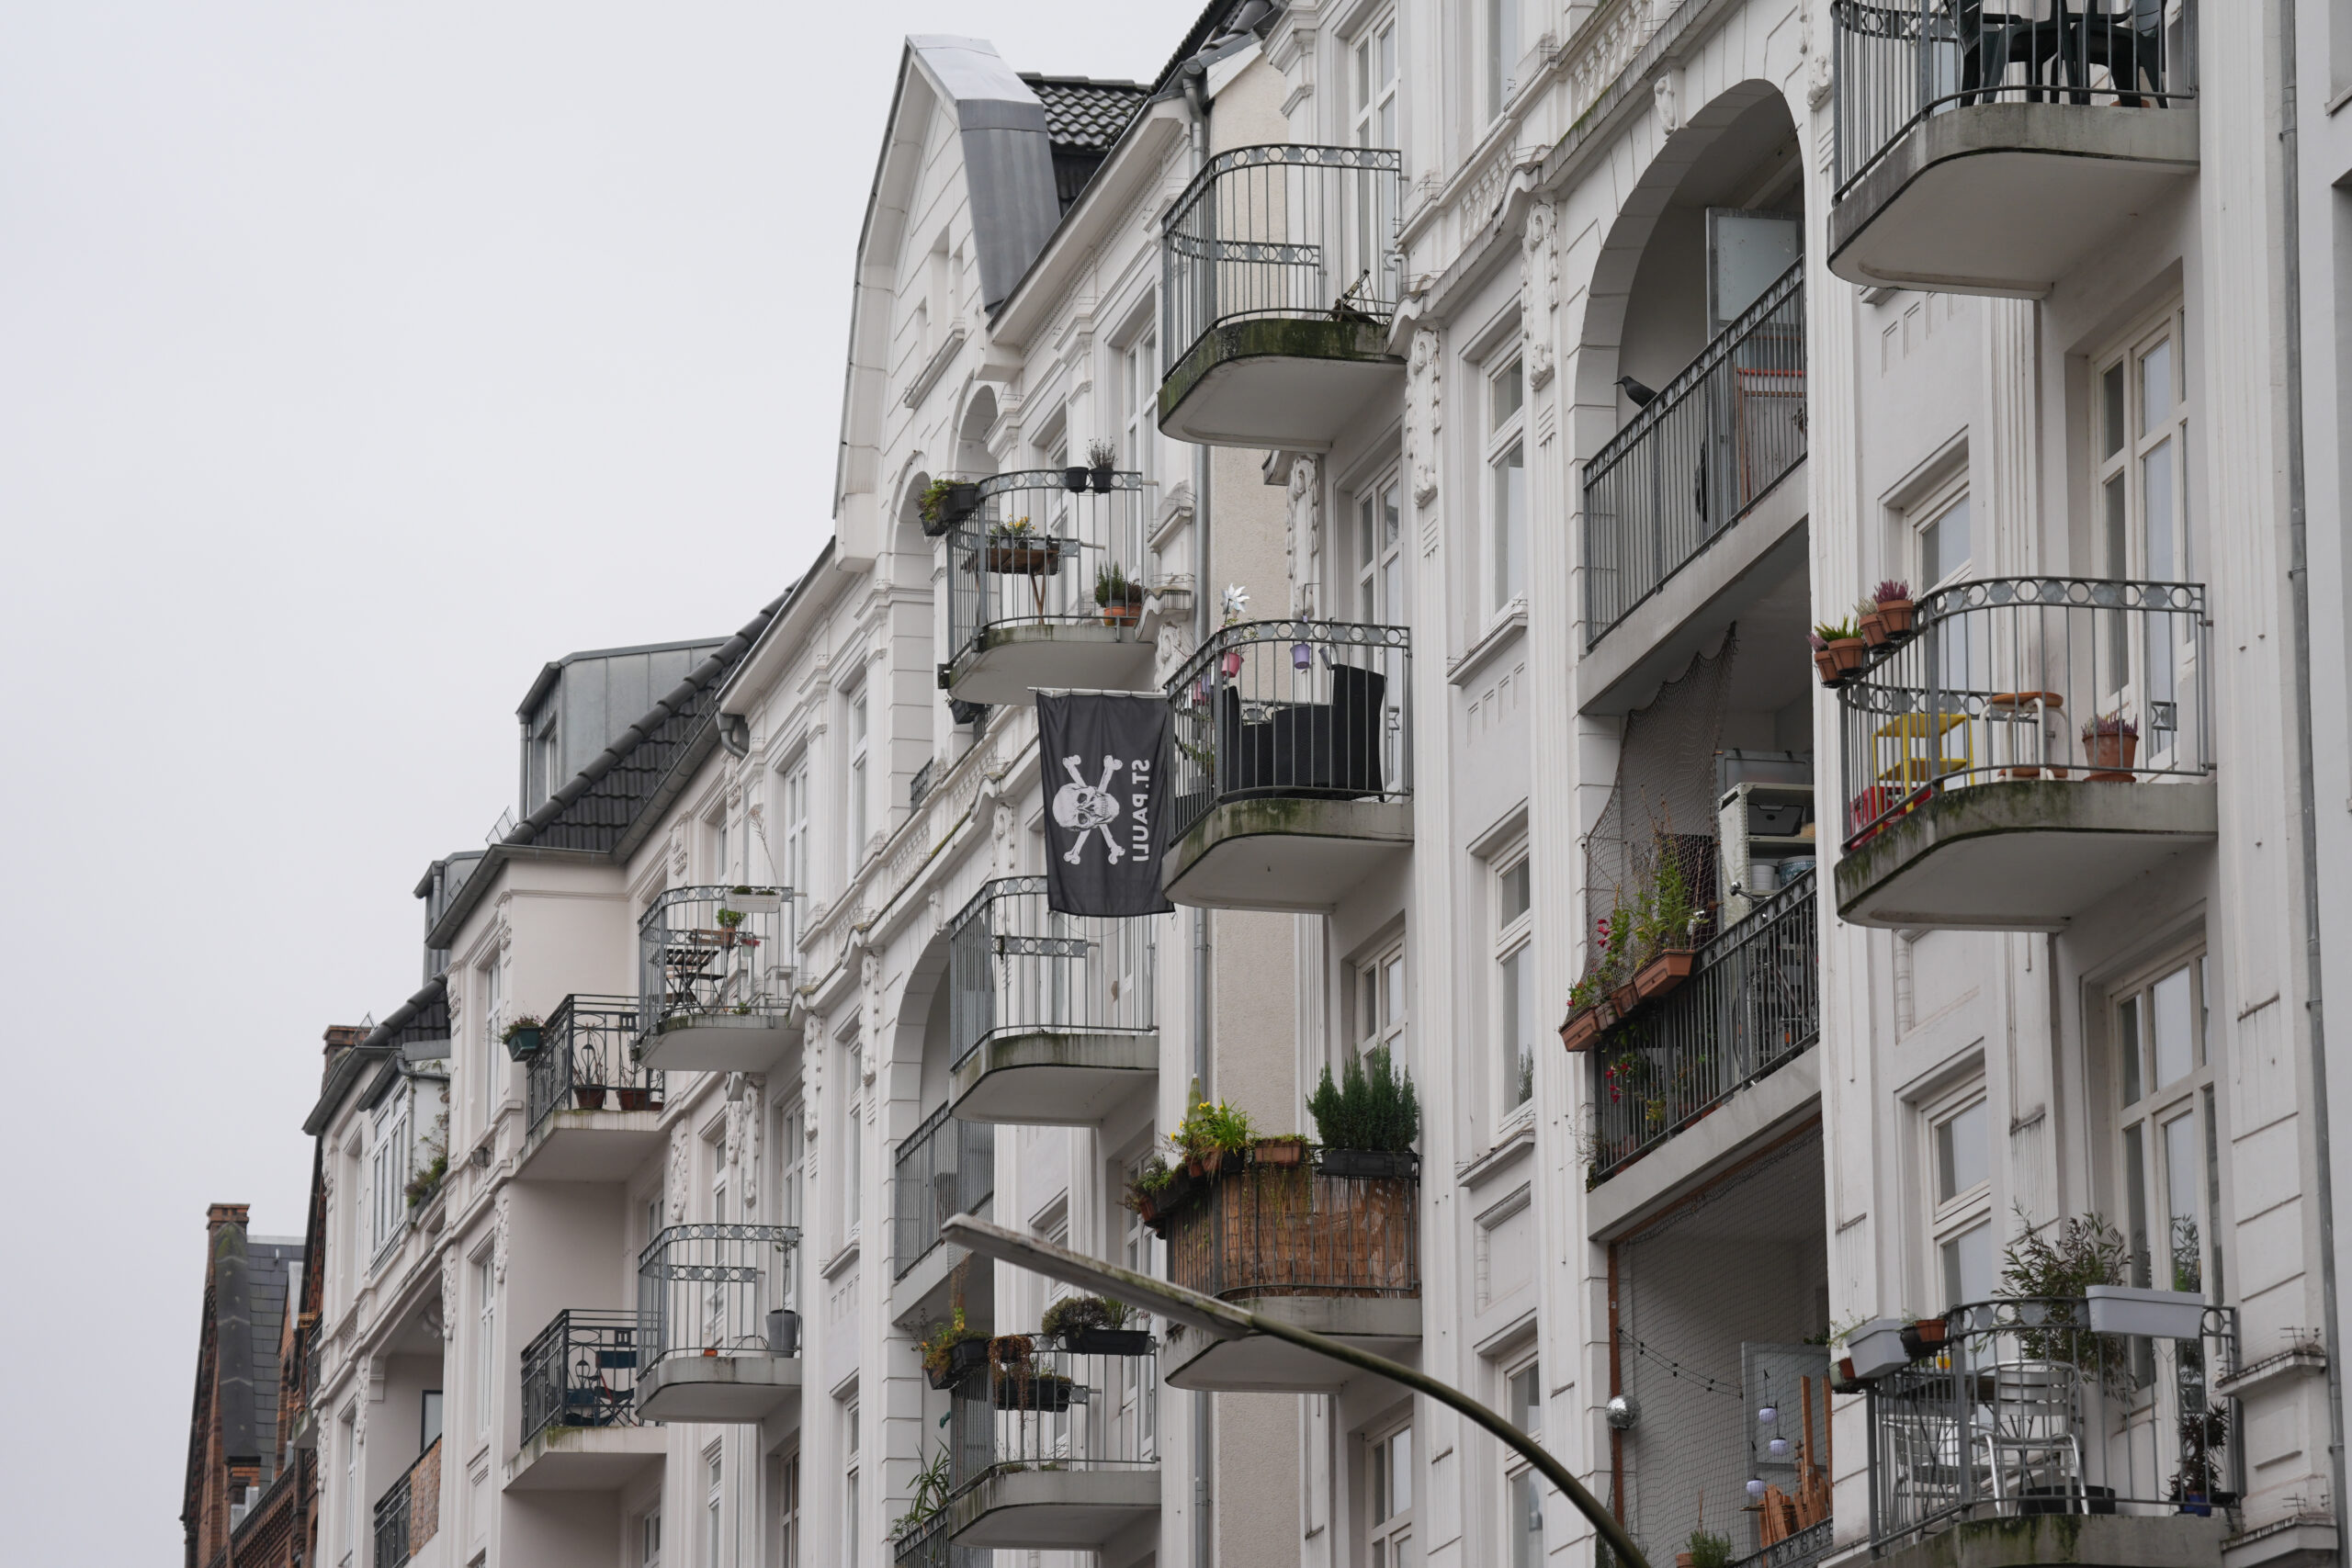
(1105,767)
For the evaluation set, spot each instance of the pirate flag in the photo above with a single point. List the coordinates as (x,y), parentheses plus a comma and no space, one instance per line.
(1104,760)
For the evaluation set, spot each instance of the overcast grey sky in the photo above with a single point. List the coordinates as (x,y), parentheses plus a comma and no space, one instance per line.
(355,360)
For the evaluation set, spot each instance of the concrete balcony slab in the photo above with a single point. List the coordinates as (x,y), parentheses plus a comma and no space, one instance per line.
(1008,661)
(1036,1509)
(586,1459)
(1256,1363)
(1054,1079)
(740,1388)
(1292,383)
(2075,1541)
(1284,853)
(719,1042)
(591,1145)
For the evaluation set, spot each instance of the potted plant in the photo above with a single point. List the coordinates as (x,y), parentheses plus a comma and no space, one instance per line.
(1017,549)
(1074,479)
(1121,600)
(729,924)
(522,1036)
(2056,1267)
(1839,651)
(1876,1347)
(1582,1027)
(1369,1120)
(1867,621)
(756,900)
(1094,1326)
(1148,1193)
(1895,611)
(2197,1485)
(945,502)
(1924,1337)
(639,1097)
(1213,1139)
(1280,1148)
(1704,1550)
(1101,459)
(2110,745)
(1666,930)
(589,1096)
(426,1180)
(932,1484)
(952,1350)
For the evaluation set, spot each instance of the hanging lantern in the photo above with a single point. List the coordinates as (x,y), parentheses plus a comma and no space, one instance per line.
(1778,1447)
(1756,1488)
(1767,1416)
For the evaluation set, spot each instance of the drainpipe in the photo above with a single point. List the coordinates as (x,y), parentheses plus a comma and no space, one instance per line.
(2306,773)
(735,734)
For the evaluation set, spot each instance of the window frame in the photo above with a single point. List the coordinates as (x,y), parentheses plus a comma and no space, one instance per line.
(2126,546)
(2189,1097)
(1376,104)
(1504,501)
(1373,1020)
(1389,1536)
(1379,546)
(1499,25)
(1518,1475)
(485,1273)
(1965,1209)
(856,784)
(1514,945)
(1139,394)
(714,1509)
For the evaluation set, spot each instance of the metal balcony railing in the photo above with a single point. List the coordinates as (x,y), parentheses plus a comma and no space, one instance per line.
(1897,63)
(944,1168)
(2029,678)
(1751,1005)
(1300,1231)
(1037,553)
(709,951)
(1315,710)
(1052,1408)
(580,1370)
(1697,457)
(2024,1410)
(1301,232)
(708,1289)
(926,1546)
(587,1061)
(408,1513)
(1016,968)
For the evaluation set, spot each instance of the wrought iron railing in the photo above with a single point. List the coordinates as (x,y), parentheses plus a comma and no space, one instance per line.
(1016,968)
(1752,1004)
(2023,1410)
(1801,1550)
(1696,458)
(587,1060)
(408,1513)
(925,1545)
(918,787)
(2029,678)
(1038,553)
(1048,1407)
(946,1167)
(1301,232)
(1301,1230)
(713,953)
(580,1370)
(708,1289)
(1897,63)
(1317,710)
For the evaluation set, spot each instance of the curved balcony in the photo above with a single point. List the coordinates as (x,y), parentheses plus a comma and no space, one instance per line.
(1989,151)
(1279,283)
(946,1167)
(1050,1015)
(581,1431)
(596,1109)
(717,1341)
(1044,587)
(715,979)
(1326,1247)
(2037,746)
(1294,765)
(1054,1450)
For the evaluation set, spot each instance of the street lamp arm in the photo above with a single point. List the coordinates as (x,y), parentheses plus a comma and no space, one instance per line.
(1228,1321)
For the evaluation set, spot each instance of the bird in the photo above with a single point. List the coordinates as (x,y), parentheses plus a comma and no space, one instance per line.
(1641,397)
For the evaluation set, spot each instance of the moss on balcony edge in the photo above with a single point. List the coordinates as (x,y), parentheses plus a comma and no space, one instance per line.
(1271,337)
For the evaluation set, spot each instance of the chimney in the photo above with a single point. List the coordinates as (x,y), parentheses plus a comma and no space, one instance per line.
(220,1214)
(340,1038)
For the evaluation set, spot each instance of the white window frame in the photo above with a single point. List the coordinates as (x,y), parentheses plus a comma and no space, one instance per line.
(787,1511)
(795,825)
(1388,1522)
(1374,101)
(2150,1186)
(2146,680)
(855,782)
(388,1168)
(714,1505)
(485,1273)
(493,1084)
(1505,504)
(1519,1385)
(853,1142)
(1380,986)
(1378,509)
(1939,507)
(851,1458)
(347,1520)
(1498,51)
(1967,1209)
(1513,994)
(648,1537)
(1139,398)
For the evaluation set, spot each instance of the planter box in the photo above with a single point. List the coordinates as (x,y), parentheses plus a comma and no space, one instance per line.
(590,1096)
(1876,1347)
(1924,1338)
(1274,1151)
(1367,1163)
(1665,971)
(2159,1314)
(1125,613)
(1047,1392)
(523,1043)
(1040,558)
(963,1360)
(1108,1342)
(635,1099)
(759,901)
(1582,1030)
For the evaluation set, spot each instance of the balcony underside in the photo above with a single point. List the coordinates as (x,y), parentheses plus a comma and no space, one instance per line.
(1053,1510)
(744,1387)
(1287,853)
(586,1459)
(2075,1540)
(1257,1363)
(2006,198)
(719,1042)
(1292,383)
(591,1145)
(1010,660)
(1054,1079)
(2020,854)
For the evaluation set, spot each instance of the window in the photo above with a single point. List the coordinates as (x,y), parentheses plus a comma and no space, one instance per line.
(1515,1034)
(1138,401)
(721,871)
(1389,1499)
(493,1085)
(389,1169)
(788,1512)
(1375,59)
(848,1481)
(1960,1154)
(713,1500)
(789,1152)
(1945,552)
(1380,556)
(1501,30)
(2143,475)
(853,1147)
(1522,1498)
(1380,1002)
(428,1424)
(649,1538)
(2165,1086)
(1507,485)
(485,1341)
(795,826)
(347,1522)
(856,780)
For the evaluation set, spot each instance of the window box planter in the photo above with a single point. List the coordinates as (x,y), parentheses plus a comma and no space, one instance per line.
(755,900)
(522,1044)
(1280,1151)
(2159,1314)
(590,1096)
(1924,1337)
(1368,1163)
(962,501)
(963,1360)
(1108,1342)
(1582,1029)
(1626,999)
(1665,971)
(1876,1347)
(1005,557)
(636,1099)
(1018,1388)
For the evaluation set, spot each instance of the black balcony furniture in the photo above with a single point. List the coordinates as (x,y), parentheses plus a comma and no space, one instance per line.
(1327,750)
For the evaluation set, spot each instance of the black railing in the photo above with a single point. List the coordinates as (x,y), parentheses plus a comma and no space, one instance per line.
(1696,458)
(587,1061)
(580,1370)
(1300,232)
(408,1513)
(1752,1004)
(1301,1230)
(1897,63)
(918,787)
(712,952)
(1016,968)
(925,1545)
(1317,710)
(944,1168)
(391,1525)
(707,1290)
(1800,1550)
(1037,553)
(2029,678)
(2024,1410)
(1049,1407)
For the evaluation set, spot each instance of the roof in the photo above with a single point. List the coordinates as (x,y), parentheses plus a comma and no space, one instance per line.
(554,667)
(1083,115)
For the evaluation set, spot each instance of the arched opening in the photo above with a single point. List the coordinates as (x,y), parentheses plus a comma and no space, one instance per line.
(973,458)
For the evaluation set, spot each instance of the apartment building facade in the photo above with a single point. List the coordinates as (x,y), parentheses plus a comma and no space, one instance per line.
(1459,416)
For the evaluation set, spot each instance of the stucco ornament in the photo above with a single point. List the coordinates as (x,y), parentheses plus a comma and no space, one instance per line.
(1004,847)
(449,1295)
(1304,545)
(678,850)
(498,1229)
(1538,291)
(360,1405)
(1668,90)
(677,1182)
(1423,405)
(1816,61)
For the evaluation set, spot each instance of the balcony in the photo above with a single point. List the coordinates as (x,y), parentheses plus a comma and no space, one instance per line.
(408,1516)
(1331,1251)
(1279,283)
(946,1167)
(1663,496)
(1294,765)
(1045,588)
(596,1110)
(581,1427)
(2067,1444)
(718,1344)
(715,979)
(1988,152)
(1050,1015)
(1751,1005)
(2040,745)
(925,1545)
(1054,1450)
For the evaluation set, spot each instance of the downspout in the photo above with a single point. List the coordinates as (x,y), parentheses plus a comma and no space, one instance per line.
(2306,771)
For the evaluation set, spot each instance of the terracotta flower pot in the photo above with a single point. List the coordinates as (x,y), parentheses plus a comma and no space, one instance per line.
(1826,663)
(2110,756)
(1874,630)
(591,1095)
(1895,616)
(1665,971)
(1850,653)
(636,1099)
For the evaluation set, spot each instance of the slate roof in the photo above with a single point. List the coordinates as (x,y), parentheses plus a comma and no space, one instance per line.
(1083,115)
(270,1279)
